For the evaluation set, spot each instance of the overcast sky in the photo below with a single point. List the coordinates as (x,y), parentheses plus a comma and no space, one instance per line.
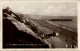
(43,8)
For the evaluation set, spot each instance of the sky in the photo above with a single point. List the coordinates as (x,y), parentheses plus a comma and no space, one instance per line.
(43,7)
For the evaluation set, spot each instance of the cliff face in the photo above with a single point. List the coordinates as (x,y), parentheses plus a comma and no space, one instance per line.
(17,35)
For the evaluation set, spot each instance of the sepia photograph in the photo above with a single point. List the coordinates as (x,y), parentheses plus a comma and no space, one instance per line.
(39,24)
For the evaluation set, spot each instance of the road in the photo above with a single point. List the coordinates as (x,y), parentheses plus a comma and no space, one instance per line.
(66,37)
